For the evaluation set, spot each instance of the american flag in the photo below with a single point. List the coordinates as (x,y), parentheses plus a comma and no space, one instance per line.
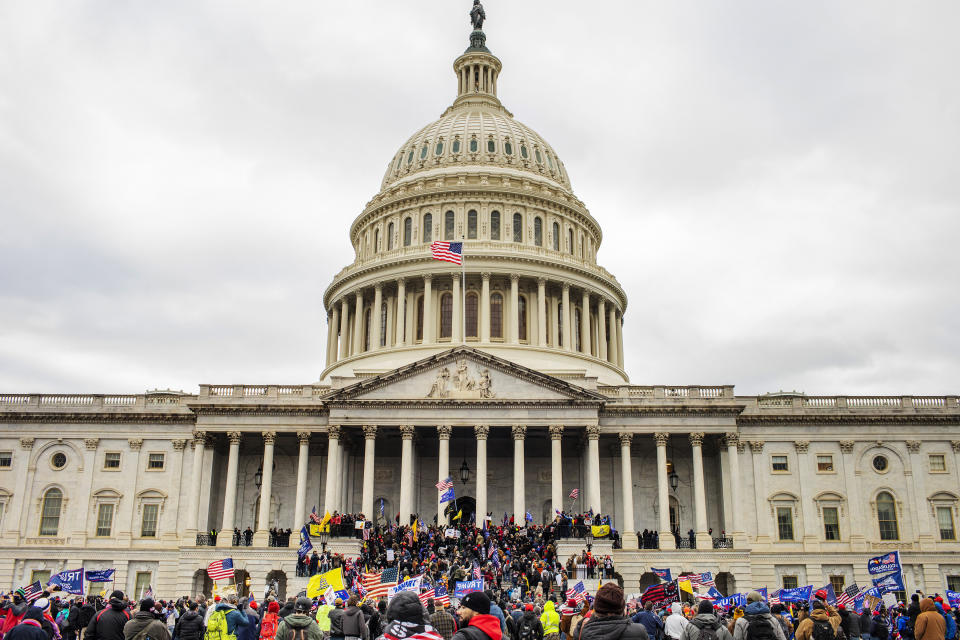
(221,569)
(575,494)
(447,251)
(443,485)
(32,592)
(378,584)
(476,571)
(314,517)
(577,593)
(426,595)
(774,598)
(703,580)
(440,595)
(846,598)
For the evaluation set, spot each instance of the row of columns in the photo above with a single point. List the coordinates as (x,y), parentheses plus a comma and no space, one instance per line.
(344,341)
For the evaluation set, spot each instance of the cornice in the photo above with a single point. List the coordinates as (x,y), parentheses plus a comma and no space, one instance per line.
(260,410)
(97,417)
(661,411)
(852,419)
(463,404)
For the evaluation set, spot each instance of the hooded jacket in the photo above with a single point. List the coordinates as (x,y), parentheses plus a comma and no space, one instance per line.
(675,622)
(353,623)
(930,624)
(29,627)
(155,629)
(951,631)
(550,619)
(603,627)
(705,621)
(108,623)
(486,624)
(650,621)
(850,623)
(235,618)
(14,614)
(754,609)
(529,619)
(805,628)
(189,626)
(291,626)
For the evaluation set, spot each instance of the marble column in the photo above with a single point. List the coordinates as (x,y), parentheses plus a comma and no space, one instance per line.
(732,441)
(601,329)
(193,513)
(401,312)
(918,470)
(300,504)
(485,307)
(358,323)
(266,488)
(811,528)
(369,452)
(481,431)
(585,323)
(519,484)
(620,342)
(556,467)
(612,338)
(760,500)
(406,473)
(663,490)
(514,308)
(428,332)
(628,527)
(228,522)
(858,541)
(567,316)
(344,327)
(444,431)
(700,493)
(542,312)
(456,319)
(593,466)
(333,322)
(375,315)
(333,455)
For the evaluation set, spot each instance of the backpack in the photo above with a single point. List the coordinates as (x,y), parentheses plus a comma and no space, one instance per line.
(268,626)
(823,630)
(759,627)
(525,629)
(217,627)
(707,631)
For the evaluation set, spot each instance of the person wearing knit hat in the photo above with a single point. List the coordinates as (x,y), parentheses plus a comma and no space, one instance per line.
(144,622)
(30,627)
(608,621)
(706,619)
(474,611)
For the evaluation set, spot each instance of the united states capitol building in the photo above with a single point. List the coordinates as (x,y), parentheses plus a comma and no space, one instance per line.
(509,377)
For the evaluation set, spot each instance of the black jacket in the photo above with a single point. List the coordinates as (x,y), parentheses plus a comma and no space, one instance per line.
(850,623)
(23,631)
(108,624)
(610,628)
(189,626)
(87,611)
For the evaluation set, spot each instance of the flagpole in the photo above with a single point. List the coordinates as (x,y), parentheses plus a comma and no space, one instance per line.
(463,292)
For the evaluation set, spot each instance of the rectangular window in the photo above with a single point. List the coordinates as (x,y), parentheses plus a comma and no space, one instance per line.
(839,583)
(6,459)
(790,582)
(155,461)
(43,575)
(785,523)
(831,523)
(104,520)
(143,581)
(953,583)
(824,463)
(111,460)
(149,526)
(945,521)
(780,463)
(938,463)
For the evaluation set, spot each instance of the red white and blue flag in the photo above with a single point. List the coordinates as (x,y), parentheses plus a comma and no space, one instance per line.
(847,596)
(577,593)
(575,494)
(447,251)
(446,483)
(32,592)
(221,569)
(476,571)
(314,517)
(440,595)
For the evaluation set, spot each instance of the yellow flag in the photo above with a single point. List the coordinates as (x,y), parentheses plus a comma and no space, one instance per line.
(599,531)
(415,529)
(325,521)
(317,585)
(334,578)
(315,530)
(459,513)
(686,586)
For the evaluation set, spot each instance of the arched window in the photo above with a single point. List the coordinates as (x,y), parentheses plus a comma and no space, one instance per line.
(472,225)
(556,236)
(472,300)
(390,237)
(448,225)
(496,315)
(887,517)
(383,324)
(522,317)
(366,329)
(538,231)
(570,240)
(427,228)
(50,512)
(559,324)
(446,315)
(517,227)
(407,231)
(494,225)
(576,329)
(419,321)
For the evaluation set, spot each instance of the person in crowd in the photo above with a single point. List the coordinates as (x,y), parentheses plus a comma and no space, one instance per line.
(706,619)
(849,622)
(145,624)
(322,617)
(528,626)
(930,624)
(353,624)
(820,616)
(442,620)
(608,621)
(758,620)
(28,627)
(299,625)
(476,623)
(407,619)
(252,630)
(190,625)
(550,622)
(650,621)
(108,623)
(336,620)
(675,623)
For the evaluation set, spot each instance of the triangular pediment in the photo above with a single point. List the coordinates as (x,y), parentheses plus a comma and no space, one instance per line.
(465,374)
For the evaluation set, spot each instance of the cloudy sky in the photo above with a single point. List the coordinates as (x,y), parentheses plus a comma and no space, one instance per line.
(778,182)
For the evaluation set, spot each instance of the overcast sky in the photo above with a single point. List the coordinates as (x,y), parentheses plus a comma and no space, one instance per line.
(777,182)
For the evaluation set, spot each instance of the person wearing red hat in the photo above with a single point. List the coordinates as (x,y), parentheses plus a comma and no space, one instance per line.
(270,622)
(529,627)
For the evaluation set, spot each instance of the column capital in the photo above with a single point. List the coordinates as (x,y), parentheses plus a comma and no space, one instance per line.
(731,439)
(27,443)
(481,431)
(756,446)
(625,439)
(541,282)
(696,438)
(135,443)
(428,277)
(661,437)
(178,445)
(269,437)
(378,286)
(235,436)
(444,431)
(846,446)
(303,437)
(519,431)
(956,445)
(514,277)
(556,431)
(407,431)
(485,276)
(333,432)
(199,438)
(359,294)
(741,446)
(801,445)
(913,446)
(566,287)
(369,432)
(402,281)
(593,432)
(91,443)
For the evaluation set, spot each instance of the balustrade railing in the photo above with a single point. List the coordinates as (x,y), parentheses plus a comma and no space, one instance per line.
(725,542)
(206,539)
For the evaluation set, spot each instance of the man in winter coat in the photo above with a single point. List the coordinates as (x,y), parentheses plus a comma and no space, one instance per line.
(145,625)
(252,630)
(442,620)
(29,627)
(951,632)
(550,620)
(407,621)
(705,619)
(866,623)
(476,623)
(108,623)
(849,622)
(529,627)
(818,614)
(650,621)
(13,613)
(299,624)
(608,621)
(353,624)
(675,623)
(930,624)
(336,620)
(190,624)
(758,613)
(226,615)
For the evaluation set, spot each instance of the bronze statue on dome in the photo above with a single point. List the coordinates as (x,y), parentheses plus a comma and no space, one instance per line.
(477,15)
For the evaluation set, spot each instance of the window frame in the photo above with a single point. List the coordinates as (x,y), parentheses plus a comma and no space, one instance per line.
(538,231)
(472,298)
(390,236)
(942,464)
(473,226)
(109,526)
(163,461)
(119,465)
(418,319)
(778,509)
(829,461)
(835,509)
(773,463)
(790,581)
(150,507)
(8,457)
(496,311)
(556,236)
(449,225)
(427,229)
(43,512)
(885,531)
(937,510)
(523,311)
(496,226)
(383,324)
(407,231)
(446,316)
(517,228)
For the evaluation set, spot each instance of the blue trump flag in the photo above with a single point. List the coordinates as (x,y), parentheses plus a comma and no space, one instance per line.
(831,594)
(467,586)
(886,563)
(69,581)
(890,583)
(305,544)
(800,594)
(663,574)
(736,600)
(100,575)
(447,496)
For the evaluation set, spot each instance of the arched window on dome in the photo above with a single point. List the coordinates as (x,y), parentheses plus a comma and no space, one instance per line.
(570,240)
(538,231)
(50,512)
(376,240)
(575,338)
(517,227)
(471,307)
(390,237)
(407,231)
(366,329)
(446,316)
(522,318)
(419,322)
(383,324)
(559,324)
(427,228)
(472,225)
(448,221)
(496,316)
(494,225)
(887,517)
(556,236)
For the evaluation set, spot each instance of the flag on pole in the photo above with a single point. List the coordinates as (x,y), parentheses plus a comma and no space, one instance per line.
(447,251)
(529,517)
(575,494)
(440,595)
(32,592)
(448,496)
(476,571)
(847,596)
(459,515)
(426,595)
(221,569)
(578,592)
(378,584)
(445,484)
(313,515)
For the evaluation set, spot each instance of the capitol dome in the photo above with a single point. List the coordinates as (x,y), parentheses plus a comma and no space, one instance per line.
(530,290)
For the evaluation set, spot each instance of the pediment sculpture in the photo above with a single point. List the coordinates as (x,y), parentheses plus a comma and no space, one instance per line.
(464,385)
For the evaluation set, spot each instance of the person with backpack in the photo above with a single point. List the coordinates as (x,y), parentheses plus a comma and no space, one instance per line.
(705,625)
(675,623)
(879,629)
(270,621)
(225,620)
(549,621)
(108,623)
(529,627)
(299,625)
(190,625)
(650,621)
(951,631)
(849,622)
(757,622)
(145,625)
(608,621)
(821,624)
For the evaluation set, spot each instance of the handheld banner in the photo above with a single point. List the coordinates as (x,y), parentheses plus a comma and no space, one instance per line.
(663,574)
(100,575)
(69,581)
(884,564)
(467,586)
(800,594)
(890,583)
(600,531)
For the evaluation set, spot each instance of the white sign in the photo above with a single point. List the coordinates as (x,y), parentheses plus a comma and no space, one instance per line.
(389,555)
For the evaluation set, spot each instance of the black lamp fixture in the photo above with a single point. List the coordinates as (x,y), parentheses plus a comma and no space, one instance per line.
(674,480)
(258,477)
(464,472)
